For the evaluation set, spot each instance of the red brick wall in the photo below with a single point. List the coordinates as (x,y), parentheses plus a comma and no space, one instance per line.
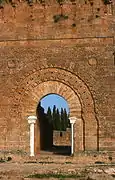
(62,138)
(30,40)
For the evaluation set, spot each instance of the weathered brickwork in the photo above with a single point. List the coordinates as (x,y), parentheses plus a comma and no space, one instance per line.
(74,57)
(62,138)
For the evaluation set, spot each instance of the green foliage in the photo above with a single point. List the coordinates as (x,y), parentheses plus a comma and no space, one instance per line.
(59,121)
(65,118)
(54,117)
(52,175)
(2,160)
(60,1)
(99,162)
(3,2)
(63,128)
(30,2)
(58,124)
(42,1)
(107,2)
(68,162)
(59,17)
(27,162)
(49,115)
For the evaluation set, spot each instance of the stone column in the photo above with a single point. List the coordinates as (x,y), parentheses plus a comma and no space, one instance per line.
(32,121)
(72,122)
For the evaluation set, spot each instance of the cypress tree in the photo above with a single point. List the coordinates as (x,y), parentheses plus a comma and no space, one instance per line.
(58,120)
(54,117)
(69,125)
(49,115)
(62,120)
(65,118)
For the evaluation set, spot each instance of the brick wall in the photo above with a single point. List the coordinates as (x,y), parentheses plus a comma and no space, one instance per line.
(62,138)
(77,52)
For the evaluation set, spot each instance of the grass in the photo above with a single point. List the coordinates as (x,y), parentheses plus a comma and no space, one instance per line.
(59,17)
(68,162)
(46,162)
(51,175)
(40,162)
(2,160)
(30,162)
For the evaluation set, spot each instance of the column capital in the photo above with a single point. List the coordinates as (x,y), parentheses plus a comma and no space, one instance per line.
(32,119)
(72,120)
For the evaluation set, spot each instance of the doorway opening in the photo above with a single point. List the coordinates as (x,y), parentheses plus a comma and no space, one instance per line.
(54,125)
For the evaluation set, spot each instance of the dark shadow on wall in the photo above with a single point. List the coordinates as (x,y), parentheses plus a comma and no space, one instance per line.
(46,130)
(61,150)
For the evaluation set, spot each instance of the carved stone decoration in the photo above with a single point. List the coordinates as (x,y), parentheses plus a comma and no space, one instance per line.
(70,87)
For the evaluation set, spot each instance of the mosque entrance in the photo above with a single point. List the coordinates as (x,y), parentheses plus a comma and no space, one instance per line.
(80,102)
(54,125)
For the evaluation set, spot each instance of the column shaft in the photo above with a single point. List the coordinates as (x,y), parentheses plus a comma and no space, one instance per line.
(72,140)
(32,139)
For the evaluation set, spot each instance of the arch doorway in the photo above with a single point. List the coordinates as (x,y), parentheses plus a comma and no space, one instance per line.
(74,109)
(74,91)
(55,131)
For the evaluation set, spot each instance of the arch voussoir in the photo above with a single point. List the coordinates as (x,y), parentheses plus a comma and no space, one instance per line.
(74,90)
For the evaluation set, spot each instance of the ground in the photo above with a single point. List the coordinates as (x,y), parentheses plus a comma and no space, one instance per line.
(58,167)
